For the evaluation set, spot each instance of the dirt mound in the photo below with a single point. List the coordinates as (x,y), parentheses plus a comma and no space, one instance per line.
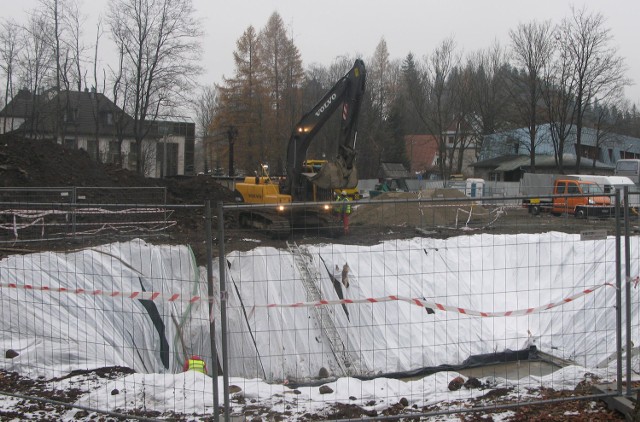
(40,163)
(43,163)
(406,209)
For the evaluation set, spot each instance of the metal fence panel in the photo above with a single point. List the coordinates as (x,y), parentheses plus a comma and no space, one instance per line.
(432,303)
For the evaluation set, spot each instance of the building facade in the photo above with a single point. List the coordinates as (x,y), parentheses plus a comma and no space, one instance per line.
(505,156)
(90,121)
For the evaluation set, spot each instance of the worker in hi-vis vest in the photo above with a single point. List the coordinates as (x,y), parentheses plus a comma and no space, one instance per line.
(195,363)
(343,210)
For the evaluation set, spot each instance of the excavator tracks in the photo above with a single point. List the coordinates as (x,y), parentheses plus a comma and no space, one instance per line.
(272,224)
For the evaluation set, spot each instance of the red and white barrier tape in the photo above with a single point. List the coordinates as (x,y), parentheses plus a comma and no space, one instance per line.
(423,303)
(175,297)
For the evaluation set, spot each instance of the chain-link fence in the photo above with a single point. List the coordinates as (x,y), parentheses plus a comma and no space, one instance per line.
(419,305)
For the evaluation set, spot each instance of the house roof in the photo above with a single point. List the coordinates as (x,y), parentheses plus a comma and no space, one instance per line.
(85,112)
(394,171)
(516,142)
(20,106)
(513,162)
(422,151)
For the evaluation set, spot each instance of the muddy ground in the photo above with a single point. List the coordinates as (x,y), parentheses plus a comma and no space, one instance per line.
(41,163)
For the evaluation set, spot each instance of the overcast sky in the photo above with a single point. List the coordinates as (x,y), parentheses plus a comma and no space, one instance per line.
(324,30)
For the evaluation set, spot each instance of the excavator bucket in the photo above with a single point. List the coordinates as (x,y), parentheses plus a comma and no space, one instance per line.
(336,175)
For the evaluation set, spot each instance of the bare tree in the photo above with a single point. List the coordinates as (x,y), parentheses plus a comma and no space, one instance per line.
(532,47)
(73,19)
(159,41)
(205,107)
(487,92)
(598,69)
(121,97)
(36,65)
(380,77)
(437,102)
(52,11)
(605,121)
(558,91)
(10,44)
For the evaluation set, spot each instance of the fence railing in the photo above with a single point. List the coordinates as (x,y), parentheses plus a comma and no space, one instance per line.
(42,214)
(428,304)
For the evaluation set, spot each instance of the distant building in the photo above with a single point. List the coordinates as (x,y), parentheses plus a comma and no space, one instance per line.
(505,156)
(422,151)
(91,121)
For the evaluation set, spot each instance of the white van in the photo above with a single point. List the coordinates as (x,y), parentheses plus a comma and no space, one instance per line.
(629,168)
(609,183)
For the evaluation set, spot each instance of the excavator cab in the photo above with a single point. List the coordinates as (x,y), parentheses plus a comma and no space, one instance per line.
(260,189)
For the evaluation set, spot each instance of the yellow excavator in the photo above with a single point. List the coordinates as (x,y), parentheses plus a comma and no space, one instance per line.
(309,181)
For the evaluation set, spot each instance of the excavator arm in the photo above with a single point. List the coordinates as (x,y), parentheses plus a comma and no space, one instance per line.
(346,96)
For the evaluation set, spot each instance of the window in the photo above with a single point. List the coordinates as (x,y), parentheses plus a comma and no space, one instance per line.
(108,118)
(572,189)
(629,155)
(113,151)
(133,156)
(70,143)
(591,188)
(587,151)
(92,149)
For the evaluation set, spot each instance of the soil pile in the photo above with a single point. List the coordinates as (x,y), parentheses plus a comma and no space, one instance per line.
(43,163)
(40,163)
(408,211)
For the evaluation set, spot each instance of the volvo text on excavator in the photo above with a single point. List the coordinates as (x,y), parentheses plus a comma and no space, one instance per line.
(303,183)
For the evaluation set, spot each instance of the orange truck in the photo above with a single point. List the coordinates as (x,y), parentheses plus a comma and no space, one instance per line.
(565,195)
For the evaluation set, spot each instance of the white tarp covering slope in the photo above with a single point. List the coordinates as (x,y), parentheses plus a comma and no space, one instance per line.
(489,273)
(56,333)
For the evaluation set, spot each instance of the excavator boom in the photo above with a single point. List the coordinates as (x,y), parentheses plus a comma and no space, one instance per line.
(346,96)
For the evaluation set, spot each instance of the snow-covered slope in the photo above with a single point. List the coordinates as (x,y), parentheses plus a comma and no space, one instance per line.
(483,272)
(55,333)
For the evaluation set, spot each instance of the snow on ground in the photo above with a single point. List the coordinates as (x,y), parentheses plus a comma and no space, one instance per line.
(193,392)
(57,333)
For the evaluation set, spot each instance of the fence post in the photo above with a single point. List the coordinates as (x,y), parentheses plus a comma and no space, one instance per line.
(74,203)
(618,298)
(223,310)
(212,324)
(627,286)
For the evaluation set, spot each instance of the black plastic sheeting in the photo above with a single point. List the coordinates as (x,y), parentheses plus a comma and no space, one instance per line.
(337,285)
(154,314)
(475,361)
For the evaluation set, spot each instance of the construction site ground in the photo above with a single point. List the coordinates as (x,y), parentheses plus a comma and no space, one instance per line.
(40,163)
